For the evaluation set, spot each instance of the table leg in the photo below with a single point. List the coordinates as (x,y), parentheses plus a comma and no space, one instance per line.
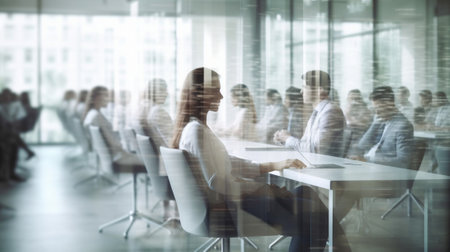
(330,219)
(425,220)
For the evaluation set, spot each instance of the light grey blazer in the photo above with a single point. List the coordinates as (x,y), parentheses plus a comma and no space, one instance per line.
(324,131)
(396,144)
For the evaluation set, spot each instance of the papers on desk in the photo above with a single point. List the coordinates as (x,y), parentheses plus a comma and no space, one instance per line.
(324,166)
(268,148)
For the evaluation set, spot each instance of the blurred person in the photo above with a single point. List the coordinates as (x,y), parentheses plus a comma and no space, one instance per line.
(307,222)
(10,106)
(244,124)
(442,121)
(358,117)
(98,98)
(81,104)
(325,128)
(334,96)
(389,140)
(32,114)
(323,134)
(403,104)
(425,114)
(62,111)
(298,113)
(158,115)
(275,116)
(10,143)
(122,110)
(108,110)
(121,119)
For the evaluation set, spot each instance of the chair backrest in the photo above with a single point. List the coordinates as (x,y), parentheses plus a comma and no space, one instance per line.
(101,147)
(130,139)
(191,200)
(160,183)
(80,134)
(149,155)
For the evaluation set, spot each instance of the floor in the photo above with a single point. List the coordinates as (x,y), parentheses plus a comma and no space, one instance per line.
(46,213)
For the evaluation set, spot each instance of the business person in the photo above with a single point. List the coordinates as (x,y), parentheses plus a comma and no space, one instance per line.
(389,140)
(275,116)
(325,128)
(301,214)
(298,112)
(97,99)
(323,133)
(244,124)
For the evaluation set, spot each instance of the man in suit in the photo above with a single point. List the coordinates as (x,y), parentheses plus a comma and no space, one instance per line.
(325,128)
(390,138)
(324,135)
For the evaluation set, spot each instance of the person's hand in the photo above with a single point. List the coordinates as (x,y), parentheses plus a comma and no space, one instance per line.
(359,158)
(281,136)
(280,165)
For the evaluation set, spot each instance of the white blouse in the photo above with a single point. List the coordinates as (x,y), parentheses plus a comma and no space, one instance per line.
(159,117)
(96,118)
(223,173)
(243,126)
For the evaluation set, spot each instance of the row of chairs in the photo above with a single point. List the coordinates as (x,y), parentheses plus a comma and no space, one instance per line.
(203,212)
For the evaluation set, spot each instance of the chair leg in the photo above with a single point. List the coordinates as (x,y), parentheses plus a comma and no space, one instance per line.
(225,244)
(246,239)
(395,205)
(133,215)
(214,242)
(161,225)
(417,201)
(154,206)
(279,239)
(204,244)
(113,222)
(122,185)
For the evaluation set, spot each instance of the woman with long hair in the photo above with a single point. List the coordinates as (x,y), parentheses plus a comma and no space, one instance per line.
(97,99)
(300,214)
(243,126)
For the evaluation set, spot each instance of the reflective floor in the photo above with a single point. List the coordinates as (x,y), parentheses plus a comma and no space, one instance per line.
(50,215)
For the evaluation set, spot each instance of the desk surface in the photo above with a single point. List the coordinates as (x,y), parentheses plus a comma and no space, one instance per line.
(355,175)
(431,134)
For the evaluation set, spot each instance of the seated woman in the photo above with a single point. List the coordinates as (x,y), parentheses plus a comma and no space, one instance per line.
(158,115)
(245,121)
(97,99)
(300,214)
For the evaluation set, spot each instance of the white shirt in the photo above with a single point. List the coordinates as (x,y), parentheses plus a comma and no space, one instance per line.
(221,171)
(80,109)
(324,131)
(275,118)
(159,117)
(443,116)
(243,126)
(96,118)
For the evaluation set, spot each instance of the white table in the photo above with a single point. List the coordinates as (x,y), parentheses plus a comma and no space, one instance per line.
(431,135)
(355,175)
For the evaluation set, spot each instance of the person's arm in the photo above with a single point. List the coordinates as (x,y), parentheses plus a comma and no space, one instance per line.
(330,132)
(403,148)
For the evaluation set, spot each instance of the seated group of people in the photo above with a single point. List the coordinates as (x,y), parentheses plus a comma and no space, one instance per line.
(312,122)
(16,116)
